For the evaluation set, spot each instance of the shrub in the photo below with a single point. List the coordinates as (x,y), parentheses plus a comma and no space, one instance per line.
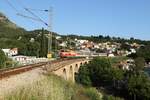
(93,94)
(110,97)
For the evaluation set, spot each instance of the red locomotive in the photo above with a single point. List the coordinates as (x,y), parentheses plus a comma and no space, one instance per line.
(67,53)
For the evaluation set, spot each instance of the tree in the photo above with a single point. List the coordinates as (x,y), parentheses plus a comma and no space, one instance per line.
(100,71)
(3,59)
(133,55)
(139,64)
(30,49)
(118,76)
(43,45)
(83,76)
(125,46)
(128,84)
(139,87)
(97,72)
(144,52)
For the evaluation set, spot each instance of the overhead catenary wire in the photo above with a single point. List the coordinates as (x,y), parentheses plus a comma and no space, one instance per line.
(32,18)
(12,6)
(38,9)
(36,16)
(33,14)
(29,10)
(22,15)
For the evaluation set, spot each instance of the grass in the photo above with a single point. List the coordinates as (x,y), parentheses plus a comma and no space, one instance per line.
(52,87)
(93,94)
(87,94)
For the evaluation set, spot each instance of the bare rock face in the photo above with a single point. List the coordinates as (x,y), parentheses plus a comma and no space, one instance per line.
(2,17)
(4,21)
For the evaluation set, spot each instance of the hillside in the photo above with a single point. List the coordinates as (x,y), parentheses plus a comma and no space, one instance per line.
(9,28)
(54,88)
(4,21)
(9,32)
(12,36)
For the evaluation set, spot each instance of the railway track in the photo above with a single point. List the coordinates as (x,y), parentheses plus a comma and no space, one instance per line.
(14,71)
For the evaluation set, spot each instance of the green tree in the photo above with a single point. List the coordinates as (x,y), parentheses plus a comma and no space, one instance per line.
(125,46)
(144,52)
(118,76)
(139,64)
(83,77)
(139,87)
(43,45)
(100,71)
(3,59)
(97,72)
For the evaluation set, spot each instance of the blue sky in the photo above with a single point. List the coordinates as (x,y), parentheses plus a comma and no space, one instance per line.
(124,18)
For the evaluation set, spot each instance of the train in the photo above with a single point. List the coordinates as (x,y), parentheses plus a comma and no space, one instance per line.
(67,53)
(79,54)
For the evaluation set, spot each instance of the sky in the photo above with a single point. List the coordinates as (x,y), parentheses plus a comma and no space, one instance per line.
(119,18)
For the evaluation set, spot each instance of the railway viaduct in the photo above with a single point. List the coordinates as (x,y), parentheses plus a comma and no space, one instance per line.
(67,69)
(12,78)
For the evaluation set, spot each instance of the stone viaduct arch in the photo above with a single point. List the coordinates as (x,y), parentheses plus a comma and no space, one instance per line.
(68,71)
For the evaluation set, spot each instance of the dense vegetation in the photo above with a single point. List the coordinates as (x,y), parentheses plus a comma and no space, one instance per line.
(3,58)
(143,52)
(30,43)
(131,84)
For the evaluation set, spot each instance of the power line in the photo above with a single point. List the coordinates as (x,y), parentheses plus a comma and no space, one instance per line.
(11,5)
(38,9)
(29,11)
(19,14)
(36,16)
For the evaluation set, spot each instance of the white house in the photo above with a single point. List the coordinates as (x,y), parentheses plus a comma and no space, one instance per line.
(10,52)
(14,51)
(133,50)
(82,41)
(63,44)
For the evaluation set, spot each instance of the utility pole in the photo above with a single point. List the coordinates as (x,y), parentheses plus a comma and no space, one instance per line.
(49,54)
(49,25)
